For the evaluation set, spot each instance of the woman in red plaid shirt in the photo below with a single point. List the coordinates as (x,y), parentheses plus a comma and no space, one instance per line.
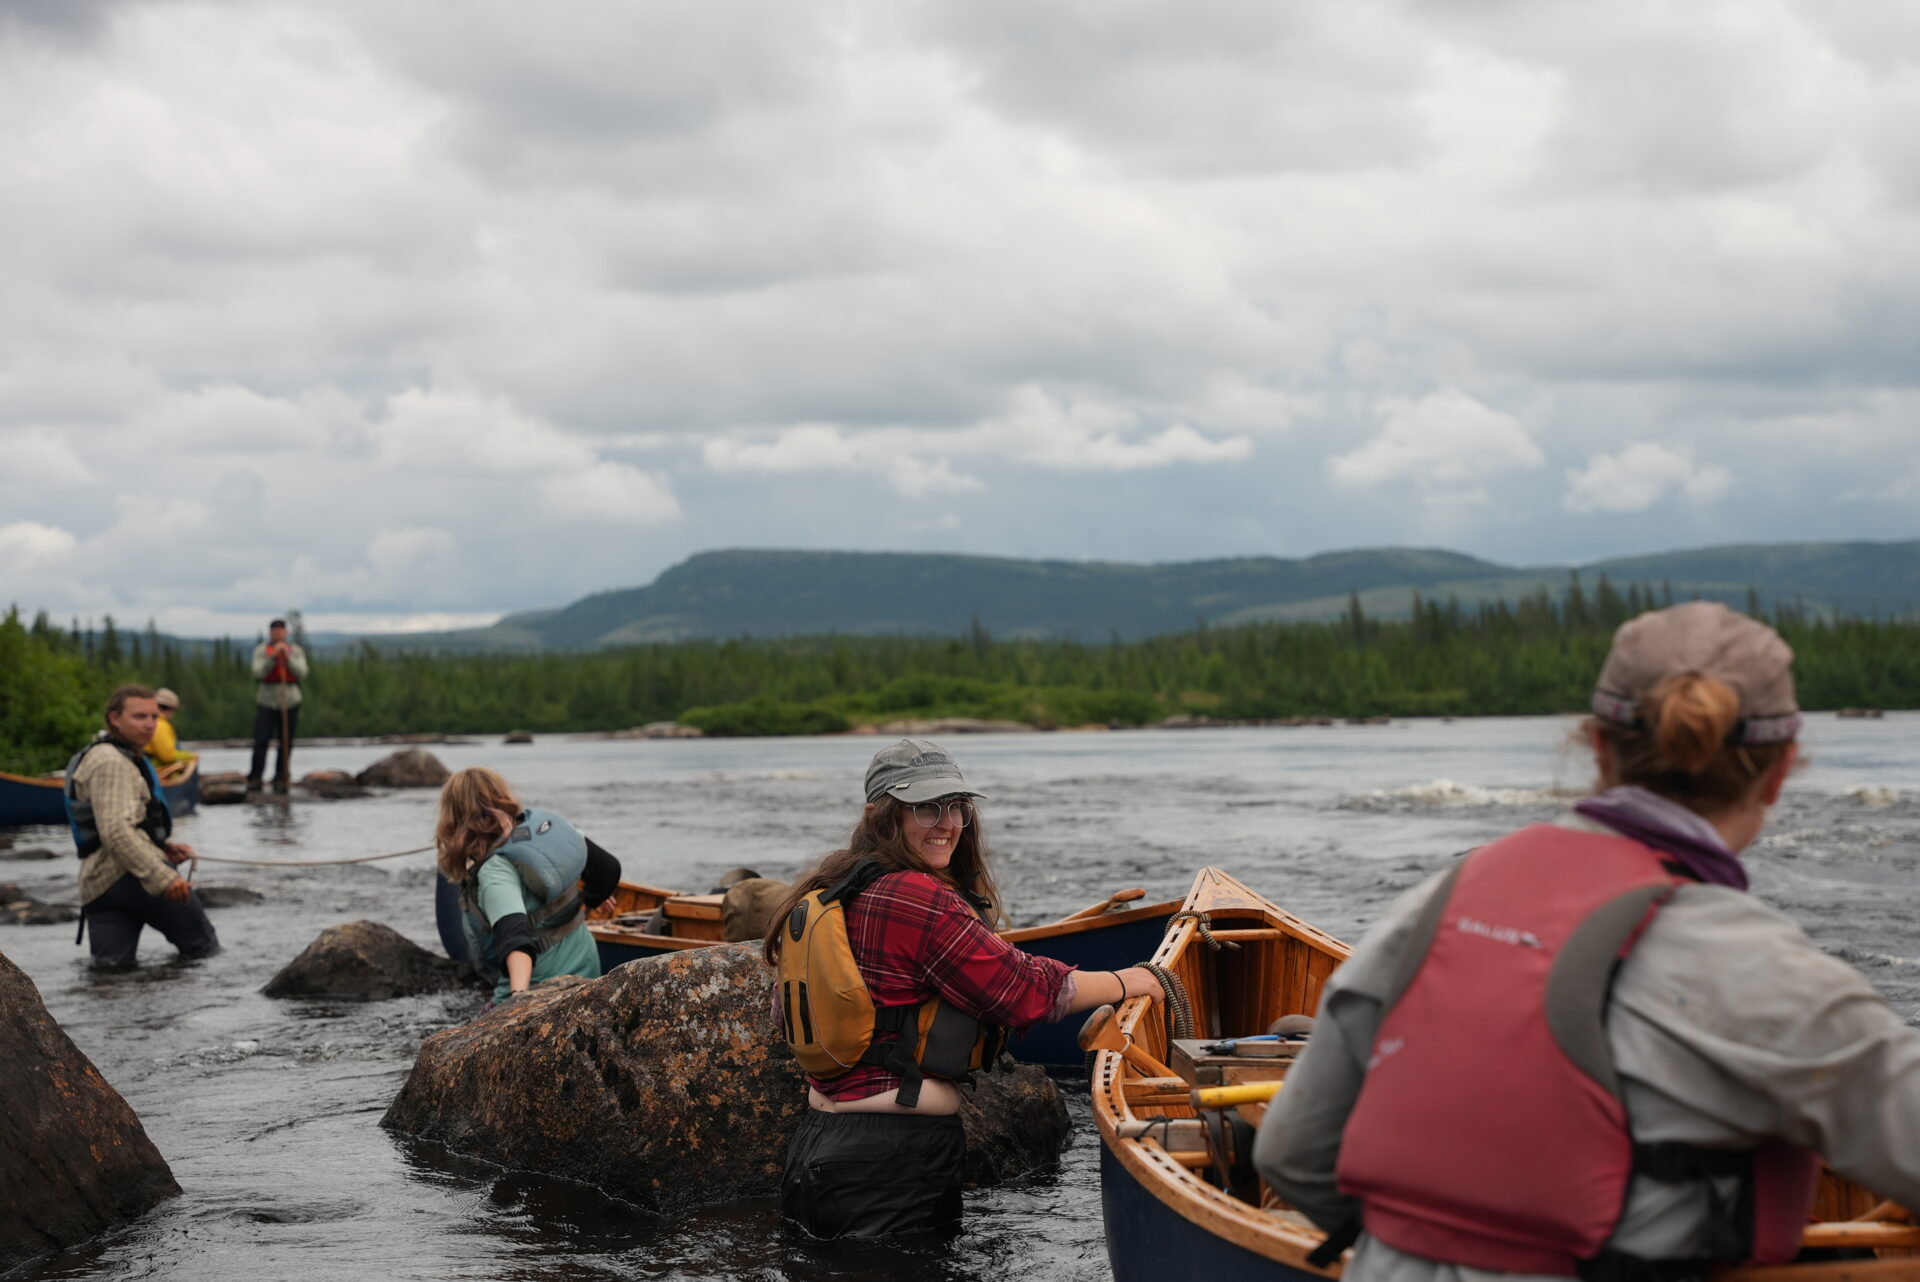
(869,1159)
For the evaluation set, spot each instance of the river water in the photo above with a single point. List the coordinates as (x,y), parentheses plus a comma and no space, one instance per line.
(268,1111)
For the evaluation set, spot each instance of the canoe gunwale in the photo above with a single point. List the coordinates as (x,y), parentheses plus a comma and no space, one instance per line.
(1081,925)
(604,932)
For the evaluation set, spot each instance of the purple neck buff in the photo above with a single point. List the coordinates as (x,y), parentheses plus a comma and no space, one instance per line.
(1668,826)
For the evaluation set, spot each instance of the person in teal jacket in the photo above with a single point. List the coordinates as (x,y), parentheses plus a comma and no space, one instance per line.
(527,879)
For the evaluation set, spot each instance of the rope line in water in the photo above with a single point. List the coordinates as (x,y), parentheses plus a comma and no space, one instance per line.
(307,863)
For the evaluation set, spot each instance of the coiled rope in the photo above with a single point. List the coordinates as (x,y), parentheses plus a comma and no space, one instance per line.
(1179,1009)
(1205,928)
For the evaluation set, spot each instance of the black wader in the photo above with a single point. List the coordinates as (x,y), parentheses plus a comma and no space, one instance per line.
(874,1174)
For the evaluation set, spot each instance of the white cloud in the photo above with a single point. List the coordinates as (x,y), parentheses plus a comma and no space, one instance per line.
(29,546)
(409,554)
(611,492)
(1094,434)
(917,477)
(1904,487)
(1639,476)
(1446,444)
(910,461)
(810,447)
(39,458)
(454,432)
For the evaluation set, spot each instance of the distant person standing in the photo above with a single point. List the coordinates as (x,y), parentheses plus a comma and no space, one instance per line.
(164,749)
(279,666)
(124,835)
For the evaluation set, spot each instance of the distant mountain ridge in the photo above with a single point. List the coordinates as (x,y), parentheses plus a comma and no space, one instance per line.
(745,592)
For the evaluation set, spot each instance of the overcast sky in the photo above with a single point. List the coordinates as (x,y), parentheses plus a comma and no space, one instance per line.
(412,313)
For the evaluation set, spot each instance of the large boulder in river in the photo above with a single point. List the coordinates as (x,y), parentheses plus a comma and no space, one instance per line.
(666,1082)
(365,961)
(74,1160)
(407,768)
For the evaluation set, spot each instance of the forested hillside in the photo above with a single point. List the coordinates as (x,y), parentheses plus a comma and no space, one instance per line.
(1537,654)
(759,593)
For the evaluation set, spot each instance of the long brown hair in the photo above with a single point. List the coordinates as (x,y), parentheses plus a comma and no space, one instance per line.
(477,810)
(880,835)
(1681,747)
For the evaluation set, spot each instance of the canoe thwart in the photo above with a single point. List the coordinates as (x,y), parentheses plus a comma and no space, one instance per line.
(1115,900)
(1233,1096)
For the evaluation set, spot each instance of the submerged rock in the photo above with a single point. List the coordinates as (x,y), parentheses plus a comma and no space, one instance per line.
(666,1083)
(518,736)
(364,961)
(952,725)
(31,854)
(333,785)
(658,730)
(74,1160)
(17,906)
(407,768)
(228,896)
(228,788)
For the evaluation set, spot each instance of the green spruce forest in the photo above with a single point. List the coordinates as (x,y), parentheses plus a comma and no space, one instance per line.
(1538,654)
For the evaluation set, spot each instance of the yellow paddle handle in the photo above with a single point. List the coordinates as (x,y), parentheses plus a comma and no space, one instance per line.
(1229,1096)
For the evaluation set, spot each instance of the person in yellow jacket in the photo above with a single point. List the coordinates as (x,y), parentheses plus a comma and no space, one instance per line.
(172,762)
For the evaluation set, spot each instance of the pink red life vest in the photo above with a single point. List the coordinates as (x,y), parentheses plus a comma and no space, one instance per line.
(1489,1130)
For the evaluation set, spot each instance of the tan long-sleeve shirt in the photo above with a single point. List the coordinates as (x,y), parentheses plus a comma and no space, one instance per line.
(118,790)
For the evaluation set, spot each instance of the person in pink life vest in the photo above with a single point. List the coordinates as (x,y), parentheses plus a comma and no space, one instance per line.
(1585,1050)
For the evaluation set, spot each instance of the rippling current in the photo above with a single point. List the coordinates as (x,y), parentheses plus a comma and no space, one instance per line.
(268,1111)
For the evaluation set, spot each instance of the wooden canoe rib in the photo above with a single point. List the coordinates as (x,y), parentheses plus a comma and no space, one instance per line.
(1167,1215)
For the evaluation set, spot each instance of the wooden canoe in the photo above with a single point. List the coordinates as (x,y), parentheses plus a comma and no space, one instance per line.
(1105,936)
(1164,1216)
(1166,1211)
(28,800)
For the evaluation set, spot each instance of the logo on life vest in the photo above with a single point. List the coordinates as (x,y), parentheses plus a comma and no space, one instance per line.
(1498,934)
(1388,1046)
(543,827)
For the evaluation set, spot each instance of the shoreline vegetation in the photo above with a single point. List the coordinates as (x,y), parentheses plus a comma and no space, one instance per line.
(1536,655)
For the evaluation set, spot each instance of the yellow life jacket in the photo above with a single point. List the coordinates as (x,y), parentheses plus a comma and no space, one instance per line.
(830,1018)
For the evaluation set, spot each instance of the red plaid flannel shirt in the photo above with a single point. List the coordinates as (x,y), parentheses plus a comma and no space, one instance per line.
(915,938)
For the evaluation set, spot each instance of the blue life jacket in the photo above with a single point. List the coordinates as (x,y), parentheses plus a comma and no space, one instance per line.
(550,855)
(157,823)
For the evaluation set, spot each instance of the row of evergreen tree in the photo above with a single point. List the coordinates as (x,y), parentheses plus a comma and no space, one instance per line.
(1535,655)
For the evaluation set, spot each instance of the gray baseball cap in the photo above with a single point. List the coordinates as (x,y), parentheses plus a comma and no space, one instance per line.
(1708,638)
(915,770)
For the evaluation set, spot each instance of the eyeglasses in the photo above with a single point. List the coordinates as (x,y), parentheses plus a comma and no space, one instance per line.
(929,813)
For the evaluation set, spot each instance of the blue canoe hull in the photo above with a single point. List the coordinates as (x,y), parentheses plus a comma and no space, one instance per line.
(1117,940)
(25,801)
(1148,1241)
(1122,939)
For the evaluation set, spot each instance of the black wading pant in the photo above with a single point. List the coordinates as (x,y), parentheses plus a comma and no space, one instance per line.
(266,730)
(874,1174)
(115,918)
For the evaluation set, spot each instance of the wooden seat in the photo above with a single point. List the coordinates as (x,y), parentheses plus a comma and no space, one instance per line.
(695,916)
